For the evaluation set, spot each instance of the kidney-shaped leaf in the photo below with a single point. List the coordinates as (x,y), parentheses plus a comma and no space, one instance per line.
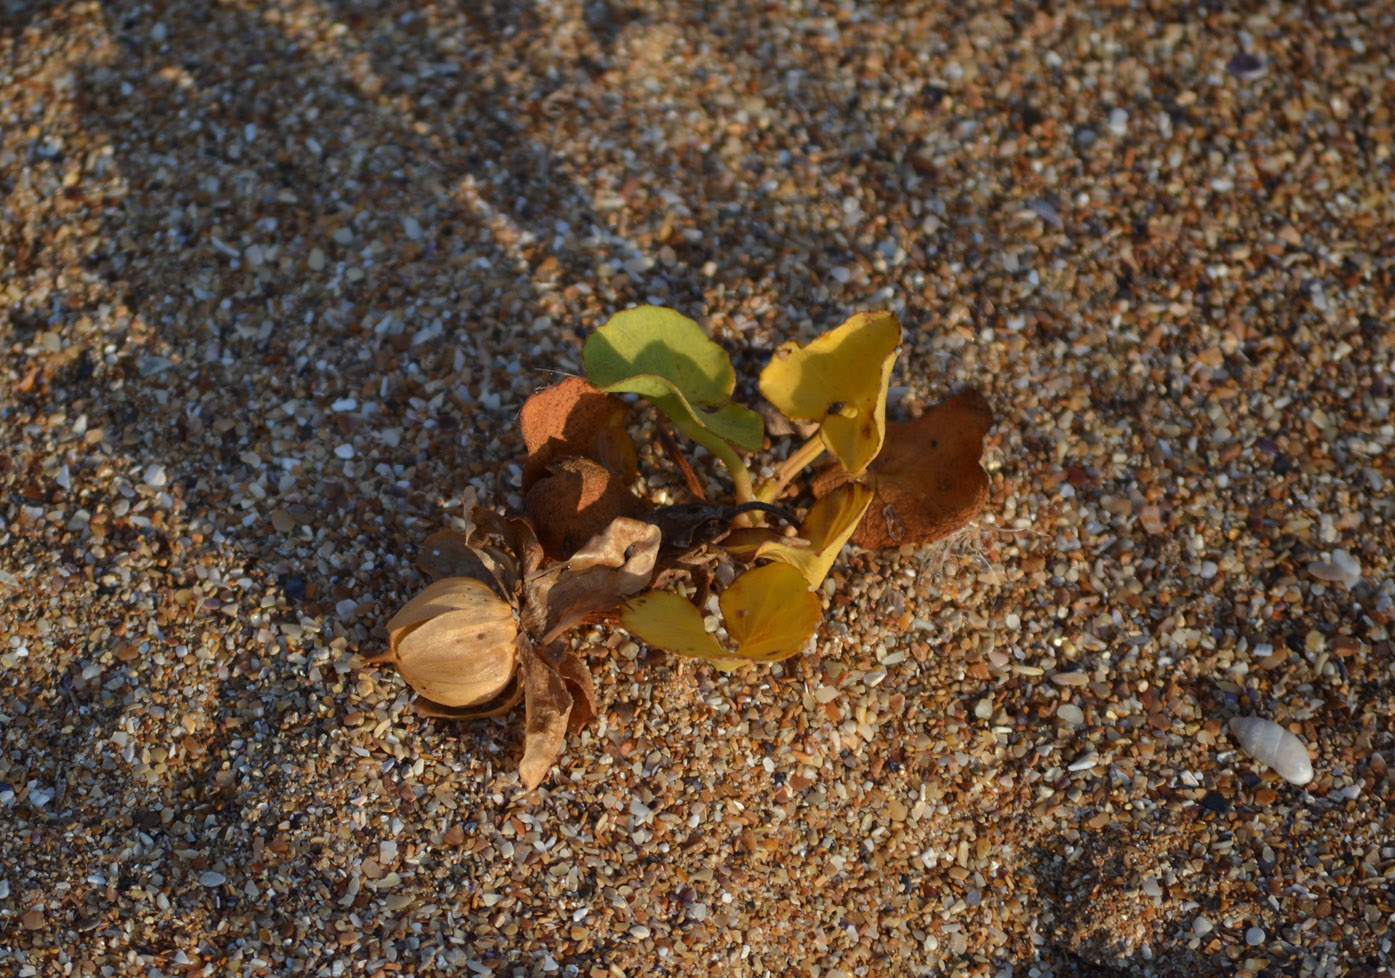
(770,612)
(839,380)
(823,533)
(665,357)
(670,621)
(660,341)
(928,480)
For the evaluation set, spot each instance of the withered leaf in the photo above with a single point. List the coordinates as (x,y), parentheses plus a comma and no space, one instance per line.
(614,564)
(573,418)
(576,499)
(548,703)
(449,554)
(515,533)
(928,480)
(578,679)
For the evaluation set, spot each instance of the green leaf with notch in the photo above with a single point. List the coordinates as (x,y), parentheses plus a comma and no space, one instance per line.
(666,357)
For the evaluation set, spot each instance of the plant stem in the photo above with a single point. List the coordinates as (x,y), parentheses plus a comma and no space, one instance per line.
(801,457)
(741,483)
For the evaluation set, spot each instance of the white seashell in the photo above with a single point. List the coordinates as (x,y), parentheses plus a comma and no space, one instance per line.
(1273,746)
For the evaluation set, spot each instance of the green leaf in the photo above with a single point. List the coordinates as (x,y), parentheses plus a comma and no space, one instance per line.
(665,357)
(839,380)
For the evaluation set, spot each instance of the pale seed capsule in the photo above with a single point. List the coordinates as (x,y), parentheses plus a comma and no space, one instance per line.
(454,643)
(1273,746)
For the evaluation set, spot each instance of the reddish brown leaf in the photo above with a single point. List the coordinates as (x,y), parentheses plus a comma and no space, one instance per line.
(573,418)
(928,479)
(574,501)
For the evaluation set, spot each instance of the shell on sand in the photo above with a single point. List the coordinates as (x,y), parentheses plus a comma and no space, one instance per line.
(1273,746)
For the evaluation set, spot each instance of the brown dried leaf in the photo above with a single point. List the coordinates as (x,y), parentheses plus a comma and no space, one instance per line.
(928,479)
(578,679)
(614,564)
(548,704)
(449,554)
(575,500)
(575,419)
(514,532)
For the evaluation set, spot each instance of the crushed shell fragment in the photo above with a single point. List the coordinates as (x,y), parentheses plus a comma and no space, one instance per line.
(1273,746)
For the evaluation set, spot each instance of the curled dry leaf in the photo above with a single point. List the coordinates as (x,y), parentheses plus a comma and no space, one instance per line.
(574,500)
(928,480)
(613,565)
(449,554)
(547,705)
(455,642)
(573,418)
(839,380)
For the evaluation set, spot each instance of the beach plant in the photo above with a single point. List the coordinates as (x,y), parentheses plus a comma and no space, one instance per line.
(733,581)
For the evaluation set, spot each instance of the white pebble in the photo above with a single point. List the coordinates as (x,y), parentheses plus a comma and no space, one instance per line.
(411,227)
(344,451)
(1070,713)
(1254,936)
(344,404)
(155,477)
(346,607)
(211,878)
(1201,926)
(1151,886)
(1119,122)
(1084,763)
(840,274)
(1209,569)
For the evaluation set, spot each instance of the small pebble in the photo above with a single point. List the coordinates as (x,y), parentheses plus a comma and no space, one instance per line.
(155,477)
(211,878)
(1254,936)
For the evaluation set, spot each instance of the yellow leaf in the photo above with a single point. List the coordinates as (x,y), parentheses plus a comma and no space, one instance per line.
(770,612)
(823,533)
(669,621)
(839,380)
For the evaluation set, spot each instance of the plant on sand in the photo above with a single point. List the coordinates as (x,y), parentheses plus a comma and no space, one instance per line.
(492,628)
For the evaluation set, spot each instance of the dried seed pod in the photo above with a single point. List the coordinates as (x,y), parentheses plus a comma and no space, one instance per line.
(454,642)
(1273,746)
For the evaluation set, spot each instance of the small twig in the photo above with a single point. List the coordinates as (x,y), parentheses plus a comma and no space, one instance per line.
(689,476)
